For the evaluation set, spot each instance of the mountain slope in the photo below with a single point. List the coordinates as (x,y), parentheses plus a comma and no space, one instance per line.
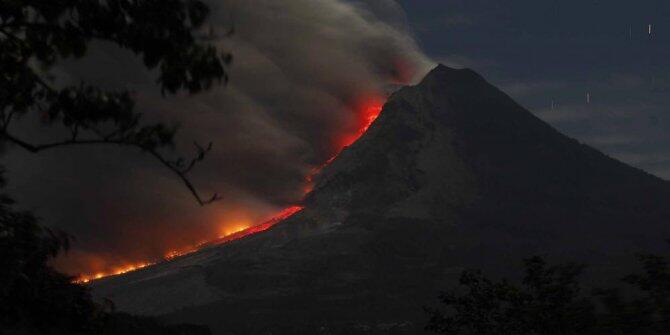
(452,174)
(454,140)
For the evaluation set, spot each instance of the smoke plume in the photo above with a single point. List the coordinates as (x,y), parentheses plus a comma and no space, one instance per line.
(301,71)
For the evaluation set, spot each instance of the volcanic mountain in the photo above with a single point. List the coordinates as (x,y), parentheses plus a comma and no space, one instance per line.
(453,174)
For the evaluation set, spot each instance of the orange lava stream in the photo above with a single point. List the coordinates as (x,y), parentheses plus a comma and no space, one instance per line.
(368,113)
(283,215)
(369,110)
(82,279)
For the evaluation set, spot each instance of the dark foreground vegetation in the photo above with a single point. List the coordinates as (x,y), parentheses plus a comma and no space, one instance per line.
(550,301)
(36,299)
(35,35)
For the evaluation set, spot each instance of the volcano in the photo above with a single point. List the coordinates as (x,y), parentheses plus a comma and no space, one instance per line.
(453,174)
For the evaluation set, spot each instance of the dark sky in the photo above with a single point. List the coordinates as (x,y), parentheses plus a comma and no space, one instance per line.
(539,51)
(301,70)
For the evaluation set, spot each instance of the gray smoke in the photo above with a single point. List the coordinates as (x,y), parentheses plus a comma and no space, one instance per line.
(300,69)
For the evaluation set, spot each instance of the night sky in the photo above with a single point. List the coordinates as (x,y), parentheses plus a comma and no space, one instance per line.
(560,50)
(301,70)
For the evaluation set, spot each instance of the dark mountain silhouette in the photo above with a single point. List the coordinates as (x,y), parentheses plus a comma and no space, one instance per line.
(452,175)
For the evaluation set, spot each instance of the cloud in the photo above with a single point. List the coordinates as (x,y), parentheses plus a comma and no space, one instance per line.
(617,139)
(622,130)
(301,67)
(446,21)
(637,158)
(460,62)
(626,81)
(561,113)
(532,88)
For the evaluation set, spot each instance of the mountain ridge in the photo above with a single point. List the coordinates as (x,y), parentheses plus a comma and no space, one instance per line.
(452,174)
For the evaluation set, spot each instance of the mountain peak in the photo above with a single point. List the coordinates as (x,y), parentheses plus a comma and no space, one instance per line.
(444,71)
(452,174)
(456,133)
(445,75)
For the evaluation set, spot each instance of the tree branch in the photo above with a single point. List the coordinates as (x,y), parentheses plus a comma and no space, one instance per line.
(86,110)
(181,173)
(187,182)
(7,119)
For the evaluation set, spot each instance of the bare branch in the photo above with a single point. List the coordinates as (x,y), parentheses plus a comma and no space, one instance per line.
(34,148)
(67,36)
(181,173)
(200,155)
(7,119)
(187,182)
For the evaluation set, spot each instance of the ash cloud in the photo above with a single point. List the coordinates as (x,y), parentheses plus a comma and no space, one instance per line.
(300,69)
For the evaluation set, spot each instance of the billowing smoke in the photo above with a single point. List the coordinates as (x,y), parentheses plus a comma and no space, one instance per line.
(301,71)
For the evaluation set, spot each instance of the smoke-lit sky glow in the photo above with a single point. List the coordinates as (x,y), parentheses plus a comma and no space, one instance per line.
(307,77)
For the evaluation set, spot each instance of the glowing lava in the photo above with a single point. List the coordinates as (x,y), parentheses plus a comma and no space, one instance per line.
(117,271)
(241,233)
(283,215)
(367,112)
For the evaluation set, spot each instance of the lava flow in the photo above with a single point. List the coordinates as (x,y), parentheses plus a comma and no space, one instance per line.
(241,233)
(283,215)
(368,111)
(82,279)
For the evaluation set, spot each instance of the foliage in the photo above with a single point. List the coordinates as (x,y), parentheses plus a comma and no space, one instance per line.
(35,34)
(648,313)
(36,299)
(549,301)
(33,295)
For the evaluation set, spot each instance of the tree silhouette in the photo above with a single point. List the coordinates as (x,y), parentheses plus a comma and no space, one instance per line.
(550,301)
(35,34)
(33,296)
(547,302)
(646,313)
